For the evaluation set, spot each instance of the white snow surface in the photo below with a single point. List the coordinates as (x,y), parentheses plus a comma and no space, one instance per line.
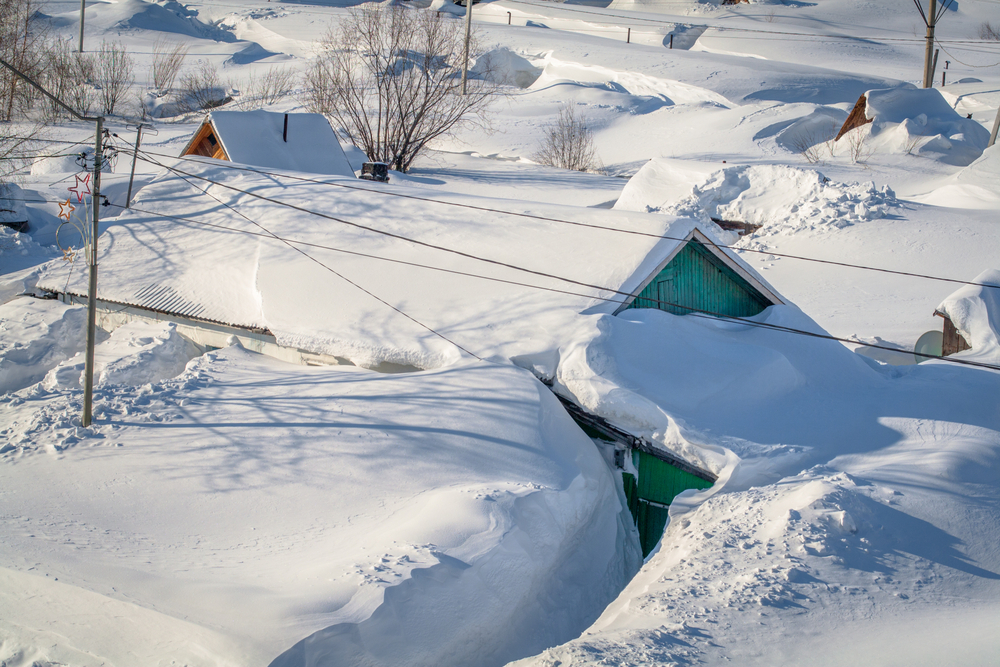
(856,512)
(780,198)
(426,519)
(222,273)
(135,354)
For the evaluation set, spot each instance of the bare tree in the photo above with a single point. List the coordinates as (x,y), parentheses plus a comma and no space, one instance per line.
(69,75)
(202,88)
(167,61)
(113,74)
(20,42)
(260,90)
(988,32)
(390,77)
(569,143)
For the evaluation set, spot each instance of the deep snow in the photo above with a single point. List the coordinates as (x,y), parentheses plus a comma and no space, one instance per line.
(857,509)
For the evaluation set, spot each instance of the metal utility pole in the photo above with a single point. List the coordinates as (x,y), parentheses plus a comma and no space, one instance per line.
(468,36)
(83,10)
(88,388)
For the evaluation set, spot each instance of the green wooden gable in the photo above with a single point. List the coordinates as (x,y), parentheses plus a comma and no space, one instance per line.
(697,280)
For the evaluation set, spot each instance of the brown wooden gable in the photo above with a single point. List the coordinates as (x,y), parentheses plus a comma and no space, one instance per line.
(206,144)
(857,118)
(952,341)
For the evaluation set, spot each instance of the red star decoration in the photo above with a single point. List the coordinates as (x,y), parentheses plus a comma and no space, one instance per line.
(82,187)
(66,209)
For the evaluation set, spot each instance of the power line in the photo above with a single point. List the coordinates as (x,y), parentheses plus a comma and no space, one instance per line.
(330,269)
(389,193)
(695,312)
(714,316)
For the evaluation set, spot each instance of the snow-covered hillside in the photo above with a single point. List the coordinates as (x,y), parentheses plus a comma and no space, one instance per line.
(226,508)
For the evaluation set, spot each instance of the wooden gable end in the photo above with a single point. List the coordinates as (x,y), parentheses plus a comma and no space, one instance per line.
(206,144)
(695,280)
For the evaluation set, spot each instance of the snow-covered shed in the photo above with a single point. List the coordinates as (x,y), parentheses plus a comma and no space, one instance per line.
(292,141)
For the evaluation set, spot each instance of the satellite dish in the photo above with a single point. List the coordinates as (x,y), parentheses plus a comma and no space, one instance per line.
(928,343)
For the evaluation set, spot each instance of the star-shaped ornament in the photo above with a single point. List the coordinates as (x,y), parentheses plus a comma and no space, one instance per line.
(66,209)
(82,187)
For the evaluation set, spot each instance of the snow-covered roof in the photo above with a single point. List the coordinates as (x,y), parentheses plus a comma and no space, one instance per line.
(12,207)
(259,138)
(235,273)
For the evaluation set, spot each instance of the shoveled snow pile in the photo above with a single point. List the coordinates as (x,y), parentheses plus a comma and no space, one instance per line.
(251,512)
(35,336)
(975,312)
(12,207)
(136,353)
(919,120)
(782,199)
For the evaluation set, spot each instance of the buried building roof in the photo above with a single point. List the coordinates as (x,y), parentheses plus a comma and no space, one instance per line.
(297,141)
(498,277)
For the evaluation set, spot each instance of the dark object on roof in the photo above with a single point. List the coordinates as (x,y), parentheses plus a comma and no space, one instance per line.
(857,118)
(741,228)
(375,171)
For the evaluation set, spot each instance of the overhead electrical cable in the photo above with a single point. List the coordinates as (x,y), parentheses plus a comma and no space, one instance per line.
(695,312)
(389,193)
(704,314)
(328,268)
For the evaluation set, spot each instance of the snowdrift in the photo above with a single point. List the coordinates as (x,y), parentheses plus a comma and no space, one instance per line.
(37,336)
(919,120)
(299,516)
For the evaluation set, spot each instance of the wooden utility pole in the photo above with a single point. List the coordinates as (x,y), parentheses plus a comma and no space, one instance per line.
(931,20)
(88,386)
(135,156)
(993,134)
(83,10)
(468,36)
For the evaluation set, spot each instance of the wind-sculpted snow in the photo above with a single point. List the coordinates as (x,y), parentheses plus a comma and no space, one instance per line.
(292,514)
(35,336)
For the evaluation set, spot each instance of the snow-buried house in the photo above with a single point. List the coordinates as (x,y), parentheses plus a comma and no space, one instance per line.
(299,141)
(341,271)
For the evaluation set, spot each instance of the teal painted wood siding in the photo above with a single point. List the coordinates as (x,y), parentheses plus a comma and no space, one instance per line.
(696,280)
(650,495)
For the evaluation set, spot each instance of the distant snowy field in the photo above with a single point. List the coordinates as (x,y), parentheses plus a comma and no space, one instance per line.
(229,509)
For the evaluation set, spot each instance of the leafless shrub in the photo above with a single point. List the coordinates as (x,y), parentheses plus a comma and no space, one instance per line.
(806,147)
(113,74)
(167,61)
(857,144)
(769,15)
(987,31)
(390,77)
(569,143)
(259,90)
(202,88)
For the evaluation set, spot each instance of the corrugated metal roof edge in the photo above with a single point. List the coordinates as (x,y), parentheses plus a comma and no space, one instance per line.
(248,327)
